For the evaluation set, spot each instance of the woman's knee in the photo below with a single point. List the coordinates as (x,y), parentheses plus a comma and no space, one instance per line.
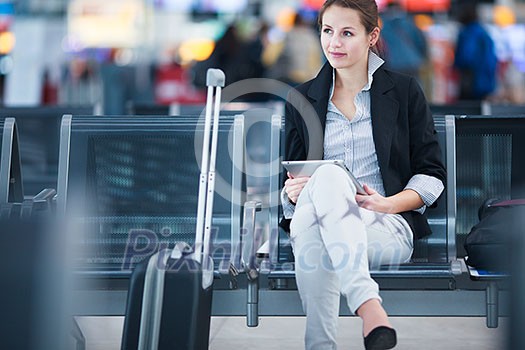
(332,176)
(329,171)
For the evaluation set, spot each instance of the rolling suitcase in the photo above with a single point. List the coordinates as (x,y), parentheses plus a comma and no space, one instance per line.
(170,294)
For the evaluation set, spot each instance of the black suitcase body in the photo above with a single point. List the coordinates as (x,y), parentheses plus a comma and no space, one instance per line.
(192,330)
(185,316)
(170,293)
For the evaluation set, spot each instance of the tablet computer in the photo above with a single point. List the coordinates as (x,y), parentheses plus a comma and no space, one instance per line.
(300,168)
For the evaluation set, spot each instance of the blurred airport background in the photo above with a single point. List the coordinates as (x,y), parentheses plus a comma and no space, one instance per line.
(110,57)
(113,53)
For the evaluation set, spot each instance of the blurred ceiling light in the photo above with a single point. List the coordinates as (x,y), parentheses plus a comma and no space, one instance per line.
(7,42)
(103,23)
(196,49)
(504,16)
(285,18)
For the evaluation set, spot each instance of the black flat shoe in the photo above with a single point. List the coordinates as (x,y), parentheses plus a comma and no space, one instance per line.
(381,338)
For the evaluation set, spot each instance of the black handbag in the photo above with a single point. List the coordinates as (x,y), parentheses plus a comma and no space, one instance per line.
(489,241)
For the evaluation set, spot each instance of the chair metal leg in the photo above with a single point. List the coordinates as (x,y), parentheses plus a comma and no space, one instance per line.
(252,312)
(77,334)
(492,292)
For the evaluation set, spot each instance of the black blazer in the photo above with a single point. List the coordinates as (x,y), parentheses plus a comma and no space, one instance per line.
(403,131)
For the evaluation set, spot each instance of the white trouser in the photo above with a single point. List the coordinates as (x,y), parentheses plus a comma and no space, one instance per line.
(334,242)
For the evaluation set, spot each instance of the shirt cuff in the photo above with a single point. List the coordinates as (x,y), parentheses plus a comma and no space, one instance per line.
(288,207)
(428,187)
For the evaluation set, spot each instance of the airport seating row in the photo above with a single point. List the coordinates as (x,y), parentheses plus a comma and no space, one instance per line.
(129,183)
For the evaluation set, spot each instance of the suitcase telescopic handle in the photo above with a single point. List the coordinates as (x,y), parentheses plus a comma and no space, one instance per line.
(215,80)
(215,77)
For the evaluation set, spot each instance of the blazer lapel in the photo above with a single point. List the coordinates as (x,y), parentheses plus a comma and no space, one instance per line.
(318,93)
(384,111)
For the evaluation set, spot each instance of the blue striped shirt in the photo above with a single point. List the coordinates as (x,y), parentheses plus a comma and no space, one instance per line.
(352,141)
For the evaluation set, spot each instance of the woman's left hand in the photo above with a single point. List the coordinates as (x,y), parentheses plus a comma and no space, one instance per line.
(374,201)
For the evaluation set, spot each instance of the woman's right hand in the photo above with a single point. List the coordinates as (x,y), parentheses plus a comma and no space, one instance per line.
(294,186)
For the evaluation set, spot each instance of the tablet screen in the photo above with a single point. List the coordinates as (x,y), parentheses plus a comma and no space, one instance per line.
(308,167)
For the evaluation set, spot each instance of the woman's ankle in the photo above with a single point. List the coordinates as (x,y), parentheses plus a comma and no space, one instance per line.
(373,315)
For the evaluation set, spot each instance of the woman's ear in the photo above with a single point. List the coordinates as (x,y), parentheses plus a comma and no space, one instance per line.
(374,36)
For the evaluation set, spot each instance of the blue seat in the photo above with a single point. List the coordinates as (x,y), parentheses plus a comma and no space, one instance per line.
(434,256)
(129,186)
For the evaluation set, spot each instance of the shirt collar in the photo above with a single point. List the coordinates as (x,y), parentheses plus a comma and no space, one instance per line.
(374,62)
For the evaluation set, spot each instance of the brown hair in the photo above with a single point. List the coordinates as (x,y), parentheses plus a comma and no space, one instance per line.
(368,14)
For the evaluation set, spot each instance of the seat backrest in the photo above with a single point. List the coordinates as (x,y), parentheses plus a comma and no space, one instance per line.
(11,187)
(500,109)
(131,185)
(263,127)
(39,134)
(148,109)
(440,247)
(262,121)
(489,165)
(458,108)
(229,108)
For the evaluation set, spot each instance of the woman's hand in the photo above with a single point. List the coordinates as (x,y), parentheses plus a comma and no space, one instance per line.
(294,186)
(374,201)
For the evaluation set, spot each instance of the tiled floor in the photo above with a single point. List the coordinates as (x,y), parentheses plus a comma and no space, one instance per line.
(421,333)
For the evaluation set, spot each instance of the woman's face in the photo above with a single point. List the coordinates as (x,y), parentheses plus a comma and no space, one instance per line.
(344,39)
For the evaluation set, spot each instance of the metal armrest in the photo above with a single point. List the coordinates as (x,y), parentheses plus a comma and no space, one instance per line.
(46,195)
(44,199)
(249,262)
(249,241)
